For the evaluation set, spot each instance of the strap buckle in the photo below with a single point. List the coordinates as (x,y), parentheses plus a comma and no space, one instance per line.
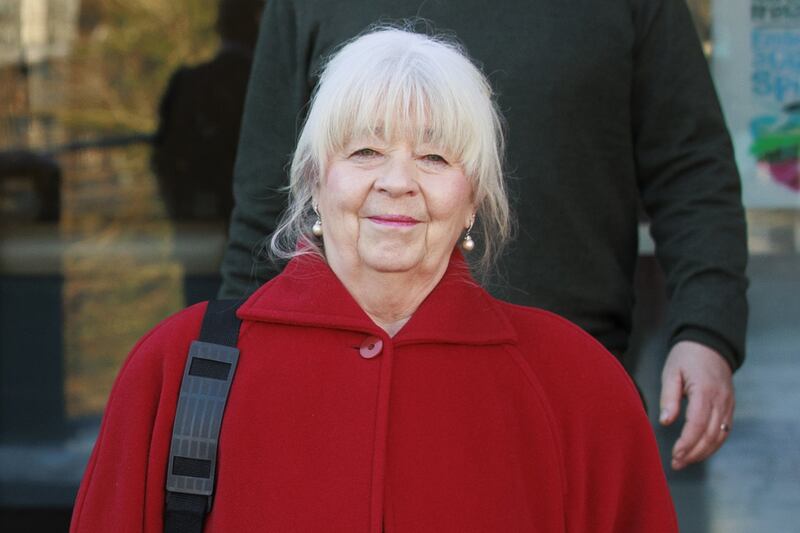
(204,391)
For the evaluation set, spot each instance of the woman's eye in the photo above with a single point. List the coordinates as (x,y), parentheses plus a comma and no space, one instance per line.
(435,158)
(364,152)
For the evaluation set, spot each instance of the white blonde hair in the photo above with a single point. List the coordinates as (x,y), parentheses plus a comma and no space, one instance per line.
(397,84)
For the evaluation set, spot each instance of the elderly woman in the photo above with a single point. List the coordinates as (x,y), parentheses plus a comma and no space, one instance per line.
(379,387)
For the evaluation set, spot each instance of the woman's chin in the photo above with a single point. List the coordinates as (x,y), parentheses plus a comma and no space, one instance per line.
(393,258)
(394,265)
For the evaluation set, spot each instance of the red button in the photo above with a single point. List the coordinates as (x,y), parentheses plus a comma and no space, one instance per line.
(371,347)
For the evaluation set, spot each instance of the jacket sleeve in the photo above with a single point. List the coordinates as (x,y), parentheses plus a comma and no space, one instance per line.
(123,487)
(278,90)
(688,180)
(615,478)
(622,487)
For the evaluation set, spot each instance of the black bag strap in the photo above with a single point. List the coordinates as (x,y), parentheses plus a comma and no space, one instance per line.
(207,379)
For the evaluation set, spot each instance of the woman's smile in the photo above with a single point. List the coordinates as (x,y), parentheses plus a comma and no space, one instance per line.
(400,221)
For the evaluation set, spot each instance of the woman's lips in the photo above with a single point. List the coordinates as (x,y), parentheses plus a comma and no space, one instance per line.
(394,220)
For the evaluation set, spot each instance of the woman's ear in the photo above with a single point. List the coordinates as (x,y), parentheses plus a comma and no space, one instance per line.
(315,192)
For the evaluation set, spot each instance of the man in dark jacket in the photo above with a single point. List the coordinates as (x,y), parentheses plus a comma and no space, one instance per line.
(609,105)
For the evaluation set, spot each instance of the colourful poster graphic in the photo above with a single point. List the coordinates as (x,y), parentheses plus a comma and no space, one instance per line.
(756,65)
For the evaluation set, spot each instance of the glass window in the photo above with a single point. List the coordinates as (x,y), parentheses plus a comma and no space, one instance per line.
(118,128)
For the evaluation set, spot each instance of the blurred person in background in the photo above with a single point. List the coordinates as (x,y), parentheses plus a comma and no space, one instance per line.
(199,120)
(610,106)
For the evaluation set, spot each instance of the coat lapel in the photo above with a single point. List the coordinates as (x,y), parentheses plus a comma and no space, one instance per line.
(457,311)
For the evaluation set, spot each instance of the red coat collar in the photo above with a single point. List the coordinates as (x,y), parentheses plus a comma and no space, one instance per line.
(309,293)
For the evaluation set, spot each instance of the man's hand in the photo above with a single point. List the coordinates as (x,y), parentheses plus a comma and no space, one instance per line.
(707,381)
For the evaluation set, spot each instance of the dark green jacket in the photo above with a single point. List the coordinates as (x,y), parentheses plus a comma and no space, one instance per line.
(609,105)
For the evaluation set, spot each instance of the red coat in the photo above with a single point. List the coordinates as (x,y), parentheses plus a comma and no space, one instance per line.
(478,416)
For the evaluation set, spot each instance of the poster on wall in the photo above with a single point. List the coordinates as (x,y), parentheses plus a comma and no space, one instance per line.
(756,67)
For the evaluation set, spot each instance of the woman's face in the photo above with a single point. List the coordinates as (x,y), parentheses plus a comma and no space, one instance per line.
(392,208)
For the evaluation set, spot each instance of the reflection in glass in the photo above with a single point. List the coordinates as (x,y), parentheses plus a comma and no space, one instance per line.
(89,259)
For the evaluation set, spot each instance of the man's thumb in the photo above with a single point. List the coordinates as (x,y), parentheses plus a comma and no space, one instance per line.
(671,391)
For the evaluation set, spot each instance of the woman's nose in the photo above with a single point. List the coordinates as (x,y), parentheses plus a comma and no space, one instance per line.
(398,177)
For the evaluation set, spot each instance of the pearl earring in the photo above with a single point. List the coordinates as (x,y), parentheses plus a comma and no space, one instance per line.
(316,229)
(467,243)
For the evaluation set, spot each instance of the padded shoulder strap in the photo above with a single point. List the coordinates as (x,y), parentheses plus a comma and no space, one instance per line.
(207,379)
